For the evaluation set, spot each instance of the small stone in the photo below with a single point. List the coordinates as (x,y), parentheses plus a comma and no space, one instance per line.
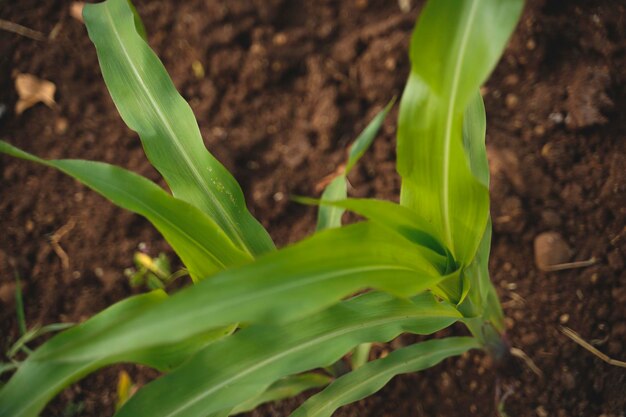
(556,118)
(539,130)
(7,292)
(279,196)
(60,125)
(509,323)
(550,249)
(531,44)
(564,318)
(541,412)
(511,101)
(280,39)
(511,79)
(390,64)
(529,339)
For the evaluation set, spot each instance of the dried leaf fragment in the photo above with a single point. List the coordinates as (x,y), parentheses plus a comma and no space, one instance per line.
(32,90)
(76,10)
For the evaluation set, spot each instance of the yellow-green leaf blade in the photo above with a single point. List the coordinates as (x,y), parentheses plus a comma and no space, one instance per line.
(150,105)
(242,366)
(374,375)
(201,244)
(454,47)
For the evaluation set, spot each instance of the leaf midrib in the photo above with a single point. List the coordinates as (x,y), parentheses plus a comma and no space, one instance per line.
(392,370)
(198,177)
(276,357)
(155,326)
(445,193)
(173,225)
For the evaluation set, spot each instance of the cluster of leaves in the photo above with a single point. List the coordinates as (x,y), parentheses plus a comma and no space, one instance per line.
(263,323)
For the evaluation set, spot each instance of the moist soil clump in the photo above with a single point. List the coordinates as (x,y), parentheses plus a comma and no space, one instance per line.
(280,88)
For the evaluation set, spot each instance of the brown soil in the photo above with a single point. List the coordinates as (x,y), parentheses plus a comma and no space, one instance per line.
(287,85)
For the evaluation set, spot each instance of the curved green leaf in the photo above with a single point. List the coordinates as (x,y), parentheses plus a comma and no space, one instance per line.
(287,387)
(474,128)
(201,244)
(242,366)
(374,375)
(41,380)
(454,47)
(394,217)
(281,286)
(150,105)
(329,216)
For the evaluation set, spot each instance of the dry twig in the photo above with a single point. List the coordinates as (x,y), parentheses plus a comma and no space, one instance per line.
(54,242)
(21,30)
(588,346)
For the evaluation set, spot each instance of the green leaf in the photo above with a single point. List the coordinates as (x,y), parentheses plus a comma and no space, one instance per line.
(329,216)
(393,217)
(287,387)
(33,334)
(366,137)
(454,47)
(474,128)
(374,375)
(281,286)
(199,242)
(139,26)
(244,365)
(360,355)
(42,379)
(150,105)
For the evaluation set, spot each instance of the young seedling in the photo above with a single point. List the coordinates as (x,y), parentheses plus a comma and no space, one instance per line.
(260,323)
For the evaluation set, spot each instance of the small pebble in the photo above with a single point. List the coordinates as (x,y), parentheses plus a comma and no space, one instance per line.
(511,101)
(551,249)
(280,39)
(556,118)
(541,412)
(539,130)
(529,339)
(511,79)
(564,318)
(509,323)
(60,125)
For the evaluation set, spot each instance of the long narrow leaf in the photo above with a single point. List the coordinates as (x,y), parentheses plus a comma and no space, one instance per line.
(393,217)
(454,47)
(229,372)
(43,379)
(201,244)
(285,285)
(287,387)
(150,105)
(330,216)
(374,375)
(474,129)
